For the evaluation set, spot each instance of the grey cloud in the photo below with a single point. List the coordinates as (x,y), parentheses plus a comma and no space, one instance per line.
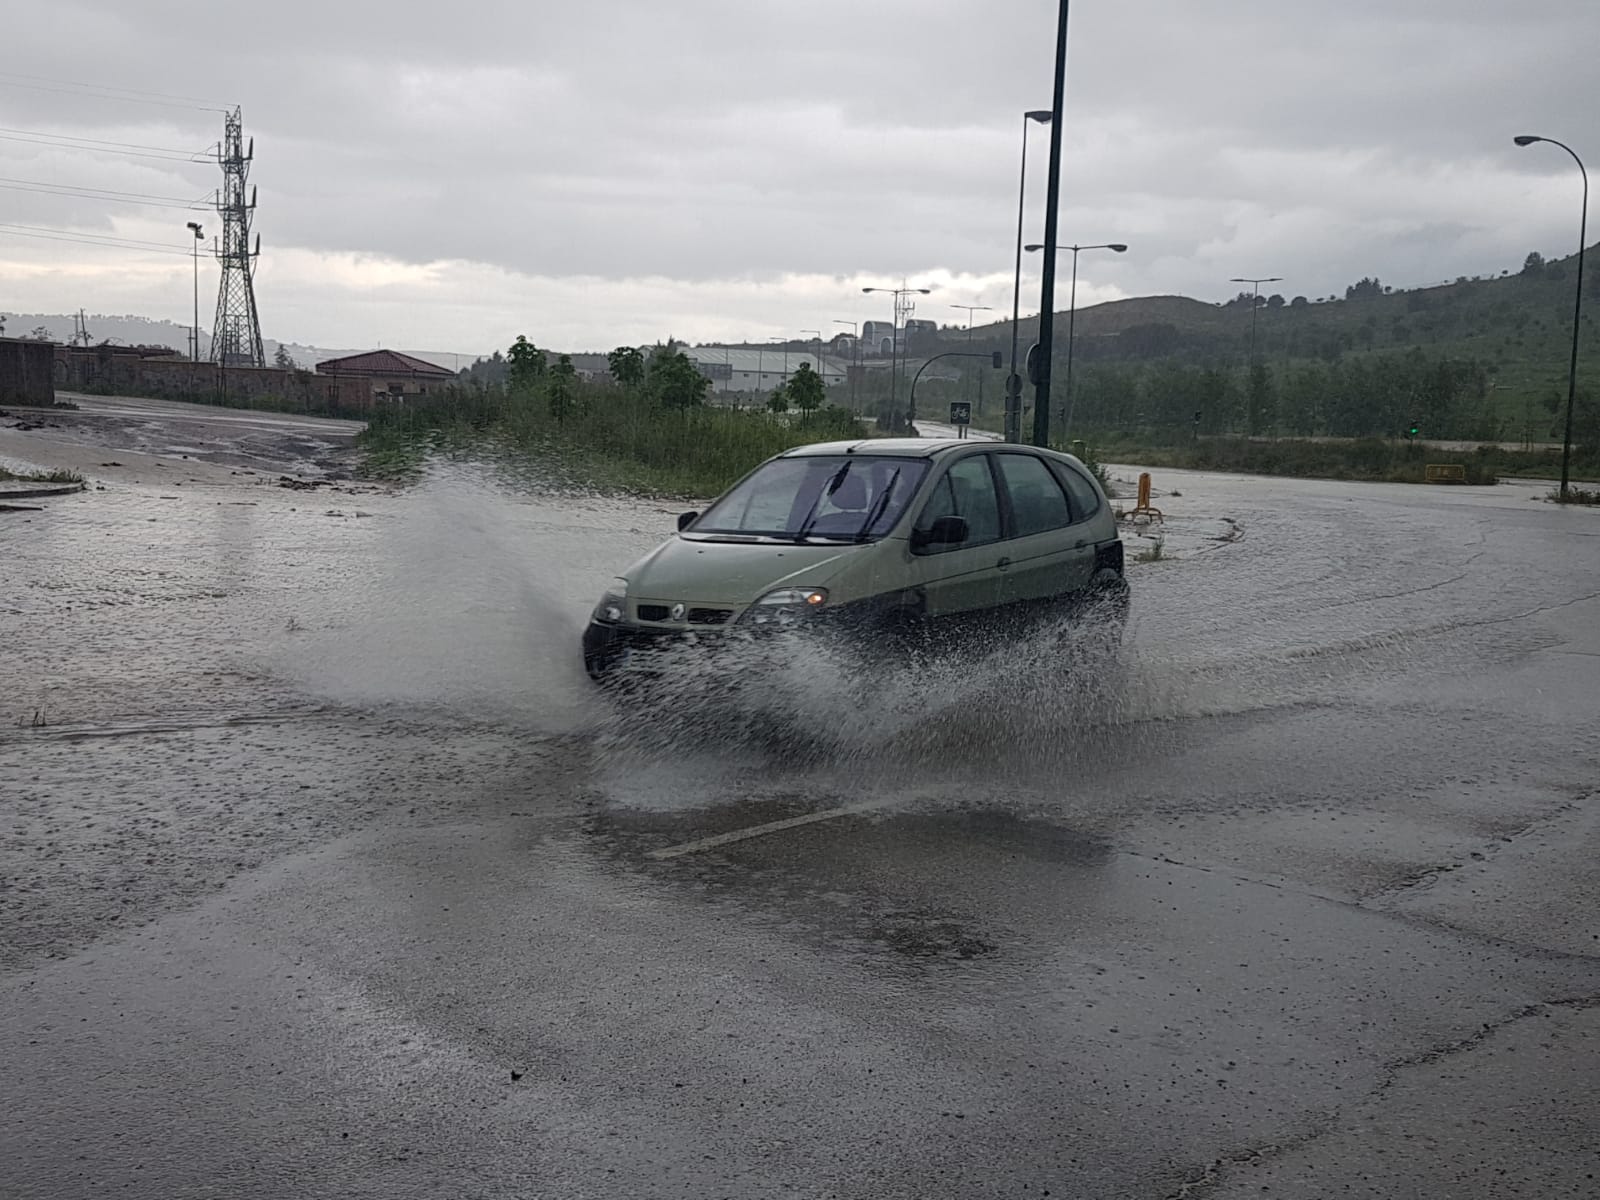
(742,140)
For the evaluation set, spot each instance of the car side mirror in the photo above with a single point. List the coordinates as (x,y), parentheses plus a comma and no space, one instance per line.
(687,519)
(946,531)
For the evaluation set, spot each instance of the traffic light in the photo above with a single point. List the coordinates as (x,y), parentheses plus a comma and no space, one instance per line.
(1412,430)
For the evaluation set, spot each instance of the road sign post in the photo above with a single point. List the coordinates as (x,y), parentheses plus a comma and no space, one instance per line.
(961,416)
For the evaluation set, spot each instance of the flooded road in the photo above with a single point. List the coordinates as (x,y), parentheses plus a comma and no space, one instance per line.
(324,872)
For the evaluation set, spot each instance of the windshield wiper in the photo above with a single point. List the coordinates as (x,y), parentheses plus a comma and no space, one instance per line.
(878,505)
(827,489)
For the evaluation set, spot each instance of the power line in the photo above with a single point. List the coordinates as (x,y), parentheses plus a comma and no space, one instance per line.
(68,87)
(91,240)
(99,145)
(56,189)
(103,237)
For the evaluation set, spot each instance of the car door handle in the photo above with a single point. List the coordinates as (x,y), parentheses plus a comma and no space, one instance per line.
(1003,563)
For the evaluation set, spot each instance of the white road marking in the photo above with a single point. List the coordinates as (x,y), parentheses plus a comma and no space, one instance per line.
(755,831)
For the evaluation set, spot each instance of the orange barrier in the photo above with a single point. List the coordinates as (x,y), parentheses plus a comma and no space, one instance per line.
(1444,473)
(1143,508)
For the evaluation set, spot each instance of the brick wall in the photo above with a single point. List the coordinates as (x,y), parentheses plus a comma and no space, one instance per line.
(110,371)
(26,375)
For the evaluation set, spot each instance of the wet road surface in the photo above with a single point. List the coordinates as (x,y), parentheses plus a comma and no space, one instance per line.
(325,873)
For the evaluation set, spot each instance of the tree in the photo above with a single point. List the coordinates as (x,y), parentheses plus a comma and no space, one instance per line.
(282,359)
(627,366)
(1261,412)
(528,364)
(40,333)
(806,390)
(1533,265)
(2,324)
(1275,301)
(1299,302)
(1367,288)
(673,381)
(778,402)
(559,390)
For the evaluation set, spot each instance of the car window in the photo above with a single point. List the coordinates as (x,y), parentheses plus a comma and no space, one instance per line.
(1085,497)
(1038,504)
(966,490)
(838,496)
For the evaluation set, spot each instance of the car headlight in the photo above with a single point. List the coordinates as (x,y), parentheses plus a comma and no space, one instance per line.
(613,606)
(785,606)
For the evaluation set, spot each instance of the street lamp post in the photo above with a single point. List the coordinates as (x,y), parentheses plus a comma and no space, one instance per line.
(783,380)
(1013,421)
(1072,318)
(1255,303)
(1577,303)
(855,338)
(969,309)
(194,331)
(820,373)
(1052,214)
(899,294)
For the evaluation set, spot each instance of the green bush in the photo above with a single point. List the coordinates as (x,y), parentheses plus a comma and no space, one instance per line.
(608,437)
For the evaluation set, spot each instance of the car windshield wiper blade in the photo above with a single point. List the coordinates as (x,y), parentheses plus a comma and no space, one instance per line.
(881,503)
(827,489)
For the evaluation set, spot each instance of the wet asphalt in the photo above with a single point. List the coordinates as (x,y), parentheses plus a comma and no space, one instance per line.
(324,873)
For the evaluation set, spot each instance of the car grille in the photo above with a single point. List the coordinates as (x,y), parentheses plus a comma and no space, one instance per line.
(695,616)
(709,616)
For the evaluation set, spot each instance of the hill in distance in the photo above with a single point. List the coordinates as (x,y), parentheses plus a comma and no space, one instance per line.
(1517,326)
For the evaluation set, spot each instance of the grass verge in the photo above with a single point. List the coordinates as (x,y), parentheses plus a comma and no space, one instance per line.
(1369,459)
(57,476)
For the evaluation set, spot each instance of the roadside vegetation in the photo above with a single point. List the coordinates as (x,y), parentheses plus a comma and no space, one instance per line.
(1366,459)
(56,476)
(645,427)
(1480,359)
(63,405)
(1576,495)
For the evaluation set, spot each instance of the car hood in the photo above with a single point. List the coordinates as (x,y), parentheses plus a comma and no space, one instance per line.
(733,573)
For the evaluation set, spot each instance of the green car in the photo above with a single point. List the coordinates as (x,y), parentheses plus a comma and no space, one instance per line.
(880,540)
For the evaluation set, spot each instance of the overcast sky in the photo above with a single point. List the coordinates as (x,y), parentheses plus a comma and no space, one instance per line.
(603,171)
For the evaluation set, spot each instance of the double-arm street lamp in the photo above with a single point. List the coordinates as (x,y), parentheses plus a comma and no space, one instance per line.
(969,309)
(1255,303)
(855,357)
(1577,303)
(1013,421)
(899,295)
(1072,316)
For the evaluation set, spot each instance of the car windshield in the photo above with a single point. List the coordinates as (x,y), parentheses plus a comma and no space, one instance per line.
(846,496)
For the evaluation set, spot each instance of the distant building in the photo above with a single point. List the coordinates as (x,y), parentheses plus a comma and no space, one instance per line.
(390,372)
(589,367)
(877,337)
(27,371)
(739,369)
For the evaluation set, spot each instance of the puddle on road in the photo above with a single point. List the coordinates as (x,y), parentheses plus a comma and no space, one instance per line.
(464,604)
